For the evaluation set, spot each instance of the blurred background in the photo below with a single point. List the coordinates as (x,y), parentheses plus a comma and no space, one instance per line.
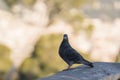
(31,32)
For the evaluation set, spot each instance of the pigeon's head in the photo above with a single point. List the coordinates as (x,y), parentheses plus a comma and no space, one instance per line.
(65,37)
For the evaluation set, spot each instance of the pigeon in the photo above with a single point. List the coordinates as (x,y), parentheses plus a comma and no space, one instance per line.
(70,55)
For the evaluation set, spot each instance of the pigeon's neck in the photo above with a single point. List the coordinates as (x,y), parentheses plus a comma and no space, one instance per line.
(65,42)
(64,45)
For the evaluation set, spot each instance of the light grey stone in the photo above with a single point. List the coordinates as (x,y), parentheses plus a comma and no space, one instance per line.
(101,70)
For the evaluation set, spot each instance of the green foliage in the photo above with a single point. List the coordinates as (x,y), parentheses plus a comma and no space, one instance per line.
(28,2)
(4,61)
(68,10)
(25,2)
(44,60)
(89,30)
(49,46)
(118,56)
(10,2)
(29,69)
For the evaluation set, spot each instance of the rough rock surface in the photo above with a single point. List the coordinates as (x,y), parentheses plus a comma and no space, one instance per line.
(101,70)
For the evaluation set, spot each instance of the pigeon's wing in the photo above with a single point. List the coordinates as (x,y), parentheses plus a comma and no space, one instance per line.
(73,55)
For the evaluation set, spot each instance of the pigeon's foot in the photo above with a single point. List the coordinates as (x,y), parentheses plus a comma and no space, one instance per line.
(91,65)
(67,69)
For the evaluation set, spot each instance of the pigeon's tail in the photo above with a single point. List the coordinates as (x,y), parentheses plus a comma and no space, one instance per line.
(87,63)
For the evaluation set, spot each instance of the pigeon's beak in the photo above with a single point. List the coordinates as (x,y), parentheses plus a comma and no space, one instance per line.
(65,37)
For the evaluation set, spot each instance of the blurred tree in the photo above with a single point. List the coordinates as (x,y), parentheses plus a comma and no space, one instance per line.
(10,2)
(39,64)
(46,49)
(4,61)
(28,2)
(118,57)
(24,2)
(68,10)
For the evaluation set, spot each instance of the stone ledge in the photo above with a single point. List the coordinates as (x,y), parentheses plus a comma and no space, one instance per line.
(101,71)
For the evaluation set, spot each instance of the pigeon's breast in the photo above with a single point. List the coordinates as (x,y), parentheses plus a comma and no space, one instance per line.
(62,49)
